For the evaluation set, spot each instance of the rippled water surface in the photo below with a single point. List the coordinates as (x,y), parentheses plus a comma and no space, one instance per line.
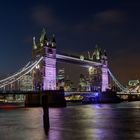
(76,122)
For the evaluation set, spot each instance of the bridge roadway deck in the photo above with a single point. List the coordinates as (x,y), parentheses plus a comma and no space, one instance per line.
(128,93)
(67,93)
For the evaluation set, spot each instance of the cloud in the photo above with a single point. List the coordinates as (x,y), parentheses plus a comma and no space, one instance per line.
(43,15)
(110,16)
(102,22)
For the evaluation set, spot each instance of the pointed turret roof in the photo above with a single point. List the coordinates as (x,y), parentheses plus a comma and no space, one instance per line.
(34,43)
(43,36)
(96,46)
(53,39)
(105,53)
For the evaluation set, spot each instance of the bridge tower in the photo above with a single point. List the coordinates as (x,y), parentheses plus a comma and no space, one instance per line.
(104,70)
(49,78)
(44,75)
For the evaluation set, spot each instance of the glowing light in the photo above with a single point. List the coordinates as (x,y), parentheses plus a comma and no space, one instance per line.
(41,44)
(90,68)
(47,43)
(81,57)
(37,67)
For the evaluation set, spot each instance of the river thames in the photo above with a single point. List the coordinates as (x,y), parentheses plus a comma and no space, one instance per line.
(75,122)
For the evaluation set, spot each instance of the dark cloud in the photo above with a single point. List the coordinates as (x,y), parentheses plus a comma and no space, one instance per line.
(104,22)
(110,16)
(43,15)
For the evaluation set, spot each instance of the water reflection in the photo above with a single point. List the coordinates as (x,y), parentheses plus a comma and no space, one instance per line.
(81,122)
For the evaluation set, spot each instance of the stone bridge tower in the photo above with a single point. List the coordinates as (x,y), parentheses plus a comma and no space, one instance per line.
(49,77)
(104,70)
(98,75)
(44,75)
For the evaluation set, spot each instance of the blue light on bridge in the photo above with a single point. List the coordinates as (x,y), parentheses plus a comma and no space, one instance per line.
(96,94)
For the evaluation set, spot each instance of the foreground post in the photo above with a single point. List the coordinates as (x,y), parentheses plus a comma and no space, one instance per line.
(45,112)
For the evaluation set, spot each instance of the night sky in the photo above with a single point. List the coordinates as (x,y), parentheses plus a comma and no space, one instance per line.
(78,25)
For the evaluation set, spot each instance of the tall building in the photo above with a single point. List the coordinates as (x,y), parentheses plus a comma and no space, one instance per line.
(26,83)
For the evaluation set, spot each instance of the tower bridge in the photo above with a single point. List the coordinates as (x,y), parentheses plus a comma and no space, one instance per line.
(40,72)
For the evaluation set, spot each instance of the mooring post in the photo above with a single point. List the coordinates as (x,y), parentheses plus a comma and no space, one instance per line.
(45,112)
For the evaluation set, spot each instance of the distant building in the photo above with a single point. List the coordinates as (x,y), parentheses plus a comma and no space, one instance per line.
(26,83)
(133,83)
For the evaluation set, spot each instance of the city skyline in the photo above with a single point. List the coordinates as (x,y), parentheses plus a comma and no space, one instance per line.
(78,27)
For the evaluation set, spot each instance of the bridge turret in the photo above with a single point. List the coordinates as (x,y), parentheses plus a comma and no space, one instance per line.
(53,41)
(104,58)
(38,47)
(97,53)
(34,44)
(43,38)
